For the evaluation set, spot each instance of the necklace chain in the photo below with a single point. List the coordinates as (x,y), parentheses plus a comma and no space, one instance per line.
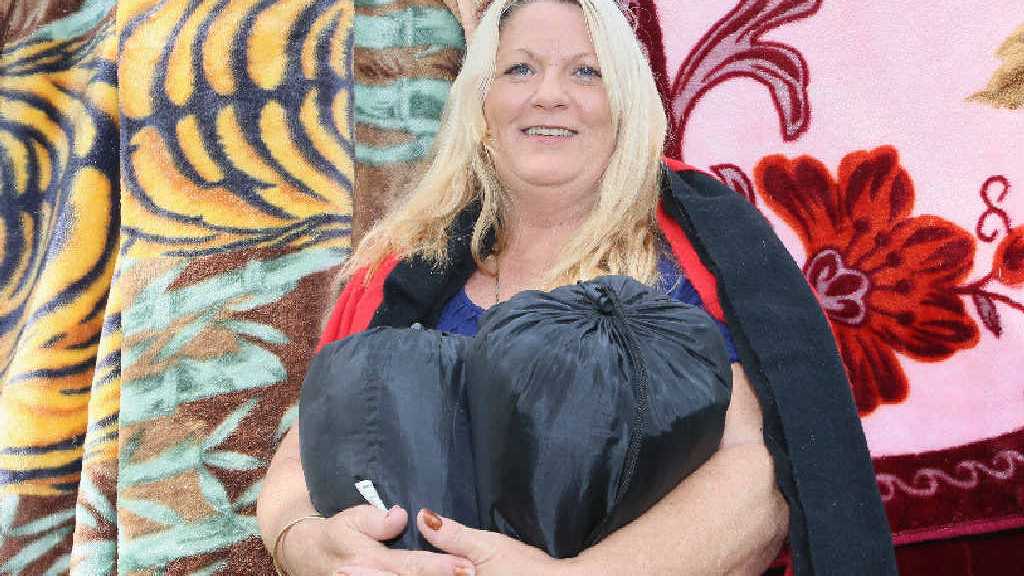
(497,282)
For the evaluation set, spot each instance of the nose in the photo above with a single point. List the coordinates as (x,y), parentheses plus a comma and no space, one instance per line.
(551,92)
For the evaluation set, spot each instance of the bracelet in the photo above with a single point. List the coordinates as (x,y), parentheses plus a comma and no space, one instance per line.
(280,536)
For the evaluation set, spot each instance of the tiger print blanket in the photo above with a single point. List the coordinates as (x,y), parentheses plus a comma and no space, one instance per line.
(177,191)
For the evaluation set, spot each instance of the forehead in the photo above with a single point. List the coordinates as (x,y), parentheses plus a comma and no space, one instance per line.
(546,27)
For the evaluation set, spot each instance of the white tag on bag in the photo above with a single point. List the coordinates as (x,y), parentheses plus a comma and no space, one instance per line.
(365,487)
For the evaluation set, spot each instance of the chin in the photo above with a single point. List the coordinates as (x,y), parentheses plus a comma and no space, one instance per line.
(552,178)
(549,173)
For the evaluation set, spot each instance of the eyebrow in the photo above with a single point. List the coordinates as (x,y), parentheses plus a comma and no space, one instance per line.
(576,56)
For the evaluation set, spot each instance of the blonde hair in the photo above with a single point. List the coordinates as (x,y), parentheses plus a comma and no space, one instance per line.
(619,236)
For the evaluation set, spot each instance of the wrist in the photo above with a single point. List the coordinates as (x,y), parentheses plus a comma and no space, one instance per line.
(306,529)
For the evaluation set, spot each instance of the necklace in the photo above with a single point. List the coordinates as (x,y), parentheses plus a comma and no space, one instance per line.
(497,282)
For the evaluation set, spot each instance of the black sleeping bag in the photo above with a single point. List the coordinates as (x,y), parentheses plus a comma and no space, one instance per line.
(568,415)
(388,405)
(590,402)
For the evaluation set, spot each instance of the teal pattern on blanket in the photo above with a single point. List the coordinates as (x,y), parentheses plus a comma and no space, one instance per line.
(409,105)
(38,537)
(200,365)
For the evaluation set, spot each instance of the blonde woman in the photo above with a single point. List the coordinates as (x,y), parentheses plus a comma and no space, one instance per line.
(548,170)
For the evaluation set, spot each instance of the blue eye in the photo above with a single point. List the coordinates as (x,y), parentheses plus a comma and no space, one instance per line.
(518,70)
(588,72)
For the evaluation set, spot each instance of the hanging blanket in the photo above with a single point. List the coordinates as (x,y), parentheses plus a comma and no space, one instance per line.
(178,185)
(176,190)
(883,141)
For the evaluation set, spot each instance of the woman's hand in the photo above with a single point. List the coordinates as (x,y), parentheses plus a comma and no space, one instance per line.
(349,543)
(493,554)
(465,11)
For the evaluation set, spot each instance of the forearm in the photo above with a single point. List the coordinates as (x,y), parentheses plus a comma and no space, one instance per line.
(726,518)
(284,496)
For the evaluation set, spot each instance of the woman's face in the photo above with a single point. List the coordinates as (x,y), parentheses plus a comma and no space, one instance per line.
(547,111)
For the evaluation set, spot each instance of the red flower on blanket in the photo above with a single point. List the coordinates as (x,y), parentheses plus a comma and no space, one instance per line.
(886,279)
(1009,258)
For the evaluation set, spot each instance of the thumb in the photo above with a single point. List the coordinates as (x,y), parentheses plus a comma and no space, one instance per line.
(376,523)
(454,538)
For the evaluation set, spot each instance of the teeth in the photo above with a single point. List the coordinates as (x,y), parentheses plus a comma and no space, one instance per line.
(540,131)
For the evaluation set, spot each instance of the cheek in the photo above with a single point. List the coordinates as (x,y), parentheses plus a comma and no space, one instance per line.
(492,114)
(594,108)
(598,116)
(500,110)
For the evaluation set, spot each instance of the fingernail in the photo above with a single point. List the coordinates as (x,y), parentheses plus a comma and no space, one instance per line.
(432,520)
(390,510)
(464,571)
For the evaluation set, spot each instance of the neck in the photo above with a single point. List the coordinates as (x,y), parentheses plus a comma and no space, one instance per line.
(539,223)
(542,223)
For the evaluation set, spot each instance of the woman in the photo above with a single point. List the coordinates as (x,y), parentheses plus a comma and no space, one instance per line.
(547,171)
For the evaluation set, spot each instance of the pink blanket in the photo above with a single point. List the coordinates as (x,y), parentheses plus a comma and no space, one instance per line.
(884,140)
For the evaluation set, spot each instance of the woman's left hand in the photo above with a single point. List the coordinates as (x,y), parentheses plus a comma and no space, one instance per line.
(492,553)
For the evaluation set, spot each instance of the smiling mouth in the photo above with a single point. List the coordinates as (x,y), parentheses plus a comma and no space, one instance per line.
(549,131)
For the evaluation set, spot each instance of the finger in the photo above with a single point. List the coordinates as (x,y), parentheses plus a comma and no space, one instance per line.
(360,571)
(418,563)
(454,538)
(376,523)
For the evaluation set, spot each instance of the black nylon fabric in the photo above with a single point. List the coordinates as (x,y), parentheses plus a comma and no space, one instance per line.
(590,403)
(388,405)
(569,415)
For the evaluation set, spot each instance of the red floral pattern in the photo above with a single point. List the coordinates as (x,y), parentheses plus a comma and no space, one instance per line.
(891,283)
(1009,258)
(886,279)
(734,48)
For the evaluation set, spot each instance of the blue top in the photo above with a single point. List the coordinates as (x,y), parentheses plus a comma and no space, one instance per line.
(461,315)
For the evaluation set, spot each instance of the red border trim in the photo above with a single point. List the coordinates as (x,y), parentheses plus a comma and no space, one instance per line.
(679,166)
(957,530)
(993,505)
(357,303)
(698,275)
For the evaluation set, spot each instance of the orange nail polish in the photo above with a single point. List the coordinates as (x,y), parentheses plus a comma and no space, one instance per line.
(432,520)
(463,571)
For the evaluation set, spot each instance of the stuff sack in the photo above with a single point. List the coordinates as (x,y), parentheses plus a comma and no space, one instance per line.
(386,405)
(587,405)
